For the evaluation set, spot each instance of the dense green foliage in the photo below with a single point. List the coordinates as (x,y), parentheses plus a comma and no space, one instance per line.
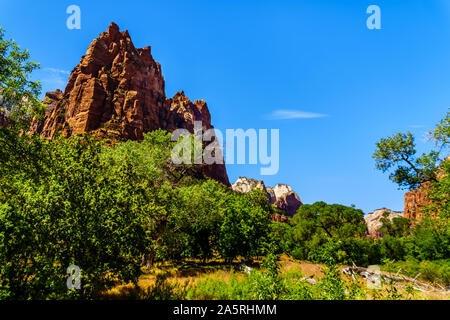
(398,227)
(193,228)
(426,241)
(429,239)
(245,225)
(18,95)
(437,271)
(268,283)
(398,155)
(108,210)
(439,195)
(61,208)
(325,233)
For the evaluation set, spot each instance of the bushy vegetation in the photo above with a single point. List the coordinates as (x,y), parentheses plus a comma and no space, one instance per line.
(269,283)
(327,233)
(106,210)
(59,207)
(18,94)
(437,271)
(315,236)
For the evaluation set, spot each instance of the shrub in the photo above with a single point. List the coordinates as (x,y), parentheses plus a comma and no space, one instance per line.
(61,209)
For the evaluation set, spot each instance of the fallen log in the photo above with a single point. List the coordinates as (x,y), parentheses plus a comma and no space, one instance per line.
(373,276)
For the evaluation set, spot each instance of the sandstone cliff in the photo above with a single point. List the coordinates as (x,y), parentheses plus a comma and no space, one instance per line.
(281,196)
(415,200)
(118,91)
(373,220)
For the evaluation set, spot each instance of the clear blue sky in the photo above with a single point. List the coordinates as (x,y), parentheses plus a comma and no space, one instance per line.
(248,59)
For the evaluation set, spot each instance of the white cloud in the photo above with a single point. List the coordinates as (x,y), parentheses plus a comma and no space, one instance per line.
(53,78)
(294,114)
(54,70)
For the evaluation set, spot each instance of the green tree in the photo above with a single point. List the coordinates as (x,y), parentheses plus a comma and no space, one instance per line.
(61,208)
(330,220)
(431,240)
(193,227)
(398,155)
(187,207)
(245,225)
(151,161)
(439,207)
(398,227)
(323,232)
(394,248)
(280,238)
(18,94)
(439,194)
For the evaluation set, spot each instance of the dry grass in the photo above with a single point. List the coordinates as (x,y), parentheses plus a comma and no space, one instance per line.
(307,268)
(183,277)
(191,274)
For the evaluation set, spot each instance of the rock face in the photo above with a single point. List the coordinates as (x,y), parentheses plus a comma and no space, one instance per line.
(284,198)
(289,202)
(373,220)
(118,90)
(415,200)
(281,196)
(245,185)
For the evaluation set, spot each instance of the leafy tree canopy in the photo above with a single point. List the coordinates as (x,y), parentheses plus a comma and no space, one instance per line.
(18,94)
(398,155)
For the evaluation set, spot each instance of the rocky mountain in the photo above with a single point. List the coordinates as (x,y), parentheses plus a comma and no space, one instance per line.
(373,220)
(118,91)
(415,200)
(281,196)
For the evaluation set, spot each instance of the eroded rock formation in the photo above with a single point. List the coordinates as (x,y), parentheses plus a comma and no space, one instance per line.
(285,198)
(373,220)
(118,91)
(415,200)
(281,196)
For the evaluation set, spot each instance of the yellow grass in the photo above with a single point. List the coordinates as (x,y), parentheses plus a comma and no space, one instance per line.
(189,277)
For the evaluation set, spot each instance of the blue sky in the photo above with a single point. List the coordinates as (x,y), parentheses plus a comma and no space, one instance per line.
(253,59)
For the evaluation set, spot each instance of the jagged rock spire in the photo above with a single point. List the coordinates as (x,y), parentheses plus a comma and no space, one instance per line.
(118,90)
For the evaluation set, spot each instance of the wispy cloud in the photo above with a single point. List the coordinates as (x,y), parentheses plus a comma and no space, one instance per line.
(54,78)
(54,70)
(293,114)
(417,126)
